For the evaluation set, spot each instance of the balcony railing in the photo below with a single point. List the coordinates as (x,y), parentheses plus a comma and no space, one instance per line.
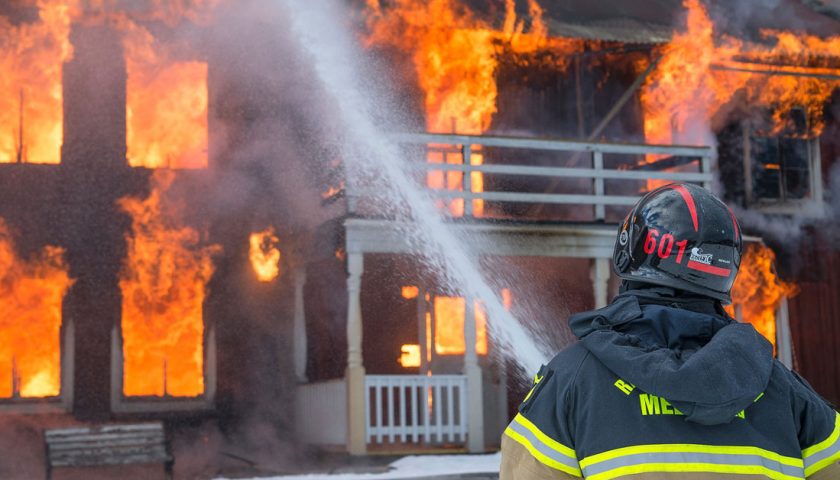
(606,183)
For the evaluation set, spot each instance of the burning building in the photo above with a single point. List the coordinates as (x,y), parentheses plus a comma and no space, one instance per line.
(180,238)
(642,93)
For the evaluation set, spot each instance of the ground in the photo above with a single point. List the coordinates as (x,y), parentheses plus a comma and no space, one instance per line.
(425,467)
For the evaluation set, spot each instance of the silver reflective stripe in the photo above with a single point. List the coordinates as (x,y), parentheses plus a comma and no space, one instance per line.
(686,457)
(822,454)
(542,447)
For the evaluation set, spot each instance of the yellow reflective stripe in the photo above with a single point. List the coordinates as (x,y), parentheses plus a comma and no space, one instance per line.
(692,467)
(828,448)
(541,457)
(812,469)
(554,444)
(537,380)
(827,442)
(691,448)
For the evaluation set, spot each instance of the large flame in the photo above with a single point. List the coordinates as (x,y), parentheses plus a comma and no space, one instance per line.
(700,72)
(166,104)
(31,293)
(758,291)
(449,326)
(454,56)
(163,284)
(31,58)
(264,253)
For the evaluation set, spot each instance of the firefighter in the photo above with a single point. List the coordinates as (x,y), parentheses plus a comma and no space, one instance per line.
(663,383)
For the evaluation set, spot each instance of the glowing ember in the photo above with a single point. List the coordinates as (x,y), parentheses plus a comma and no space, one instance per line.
(410,291)
(332,191)
(758,291)
(31,293)
(449,326)
(163,283)
(31,56)
(695,80)
(265,254)
(454,55)
(410,356)
(166,111)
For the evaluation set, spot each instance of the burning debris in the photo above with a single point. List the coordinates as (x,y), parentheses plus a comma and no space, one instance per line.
(31,294)
(164,283)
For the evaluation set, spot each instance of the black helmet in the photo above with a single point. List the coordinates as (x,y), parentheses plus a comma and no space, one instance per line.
(680,236)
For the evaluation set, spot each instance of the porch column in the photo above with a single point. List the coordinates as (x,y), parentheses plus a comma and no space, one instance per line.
(355,375)
(475,393)
(299,326)
(600,281)
(784,343)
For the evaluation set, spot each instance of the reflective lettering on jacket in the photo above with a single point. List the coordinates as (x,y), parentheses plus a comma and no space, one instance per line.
(581,420)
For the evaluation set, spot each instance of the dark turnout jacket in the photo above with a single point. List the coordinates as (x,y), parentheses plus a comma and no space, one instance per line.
(663,386)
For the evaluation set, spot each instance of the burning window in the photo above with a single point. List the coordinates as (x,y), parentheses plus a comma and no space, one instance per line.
(782,163)
(31,56)
(449,326)
(31,293)
(781,168)
(163,284)
(166,111)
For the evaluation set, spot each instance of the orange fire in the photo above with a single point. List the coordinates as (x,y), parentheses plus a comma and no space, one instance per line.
(31,293)
(454,56)
(410,357)
(31,58)
(163,284)
(265,254)
(410,291)
(449,326)
(701,71)
(166,110)
(758,291)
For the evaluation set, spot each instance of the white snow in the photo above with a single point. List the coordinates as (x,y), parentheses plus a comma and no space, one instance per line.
(417,466)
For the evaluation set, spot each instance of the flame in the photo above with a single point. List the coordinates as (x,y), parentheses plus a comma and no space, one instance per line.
(163,284)
(166,104)
(410,356)
(694,81)
(758,291)
(332,191)
(265,254)
(454,56)
(410,291)
(449,326)
(31,293)
(31,58)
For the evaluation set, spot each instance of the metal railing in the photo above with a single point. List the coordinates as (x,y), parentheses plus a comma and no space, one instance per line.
(415,408)
(635,169)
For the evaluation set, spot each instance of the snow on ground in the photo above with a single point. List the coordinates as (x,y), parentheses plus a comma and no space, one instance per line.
(417,466)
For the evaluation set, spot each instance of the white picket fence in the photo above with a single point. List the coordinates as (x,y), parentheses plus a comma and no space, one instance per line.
(416,408)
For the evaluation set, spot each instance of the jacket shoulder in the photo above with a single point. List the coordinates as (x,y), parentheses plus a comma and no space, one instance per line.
(566,364)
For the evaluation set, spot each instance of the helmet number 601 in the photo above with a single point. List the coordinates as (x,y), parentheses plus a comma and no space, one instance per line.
(665,243)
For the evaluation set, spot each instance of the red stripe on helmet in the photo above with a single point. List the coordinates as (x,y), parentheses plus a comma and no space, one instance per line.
(735,225)
(689,200)
(702,267)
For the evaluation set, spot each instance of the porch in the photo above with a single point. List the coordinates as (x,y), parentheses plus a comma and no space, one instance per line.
(590,186)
